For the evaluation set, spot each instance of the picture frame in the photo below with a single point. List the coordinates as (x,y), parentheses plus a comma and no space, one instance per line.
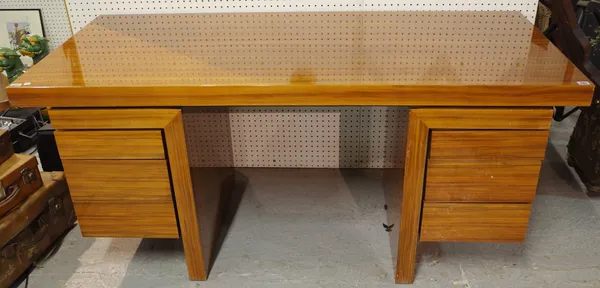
(16,22)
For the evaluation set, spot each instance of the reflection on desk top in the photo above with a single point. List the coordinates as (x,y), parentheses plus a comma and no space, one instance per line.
(332,58)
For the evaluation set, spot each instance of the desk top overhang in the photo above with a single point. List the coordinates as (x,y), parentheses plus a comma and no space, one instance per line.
(305,59)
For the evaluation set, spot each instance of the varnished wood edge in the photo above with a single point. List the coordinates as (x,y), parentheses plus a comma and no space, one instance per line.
(181,181)
(308,95)
(412,198)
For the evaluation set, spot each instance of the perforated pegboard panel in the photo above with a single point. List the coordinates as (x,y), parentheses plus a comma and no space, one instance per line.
(54,17)
(382,136)
(275,137)
(84,11)
(368,137)
(311,136)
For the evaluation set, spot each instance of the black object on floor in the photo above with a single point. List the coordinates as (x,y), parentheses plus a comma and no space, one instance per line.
(47,150)
(23,278)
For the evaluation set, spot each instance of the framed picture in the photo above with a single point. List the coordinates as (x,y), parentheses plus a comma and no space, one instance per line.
(15,23)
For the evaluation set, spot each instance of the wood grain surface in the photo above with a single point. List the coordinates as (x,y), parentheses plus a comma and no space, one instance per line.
(171,123)
(118,180)
(467,221)
(236,62)
(127,219)
(305,95)
(486,119)
(491,144)
(479,222)
(184,198)
(414,176)
(455,180)
(122,198)
(109,144)
(77,119)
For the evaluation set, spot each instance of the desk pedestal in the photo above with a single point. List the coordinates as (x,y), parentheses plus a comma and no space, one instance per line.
(470,175)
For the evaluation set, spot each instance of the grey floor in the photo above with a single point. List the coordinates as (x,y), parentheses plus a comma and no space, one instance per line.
(322,228)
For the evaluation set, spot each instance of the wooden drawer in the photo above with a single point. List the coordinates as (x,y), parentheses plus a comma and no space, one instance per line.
(474,222)
(122,198)
(116,144)
(122,180)
(127,219)
(513,180)
(488,144)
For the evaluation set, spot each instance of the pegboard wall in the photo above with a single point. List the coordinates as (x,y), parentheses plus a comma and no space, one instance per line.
(54,17)
(368,137)
(84,11)
(354,137)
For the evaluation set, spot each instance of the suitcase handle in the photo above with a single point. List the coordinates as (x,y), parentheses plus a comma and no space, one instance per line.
(27,175)
(37,230)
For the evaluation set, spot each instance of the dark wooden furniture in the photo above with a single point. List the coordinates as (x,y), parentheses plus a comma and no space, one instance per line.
(584,145)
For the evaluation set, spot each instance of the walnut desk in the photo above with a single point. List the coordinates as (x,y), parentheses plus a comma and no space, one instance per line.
(480,86)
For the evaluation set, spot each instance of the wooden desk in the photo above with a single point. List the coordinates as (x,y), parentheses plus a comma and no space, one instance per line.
(480,86)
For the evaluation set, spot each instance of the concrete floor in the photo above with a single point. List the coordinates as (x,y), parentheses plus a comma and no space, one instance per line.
(322,228)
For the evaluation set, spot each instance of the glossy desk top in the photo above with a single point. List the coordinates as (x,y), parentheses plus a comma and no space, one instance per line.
(333,58)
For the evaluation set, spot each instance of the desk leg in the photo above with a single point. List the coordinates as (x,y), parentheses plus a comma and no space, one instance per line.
(414,177)
(184,198)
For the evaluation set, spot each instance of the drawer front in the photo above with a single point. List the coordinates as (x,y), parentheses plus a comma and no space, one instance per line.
(474,222)
(116,144)
(122,198)
(112,118)
(118,180)
(490,144)
(127,219)
(452,180)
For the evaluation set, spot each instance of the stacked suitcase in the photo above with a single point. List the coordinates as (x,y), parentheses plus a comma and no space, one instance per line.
(35,211)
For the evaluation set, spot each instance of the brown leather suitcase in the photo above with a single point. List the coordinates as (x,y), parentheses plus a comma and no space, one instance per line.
(19,177)
(28,232)
(6,147)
